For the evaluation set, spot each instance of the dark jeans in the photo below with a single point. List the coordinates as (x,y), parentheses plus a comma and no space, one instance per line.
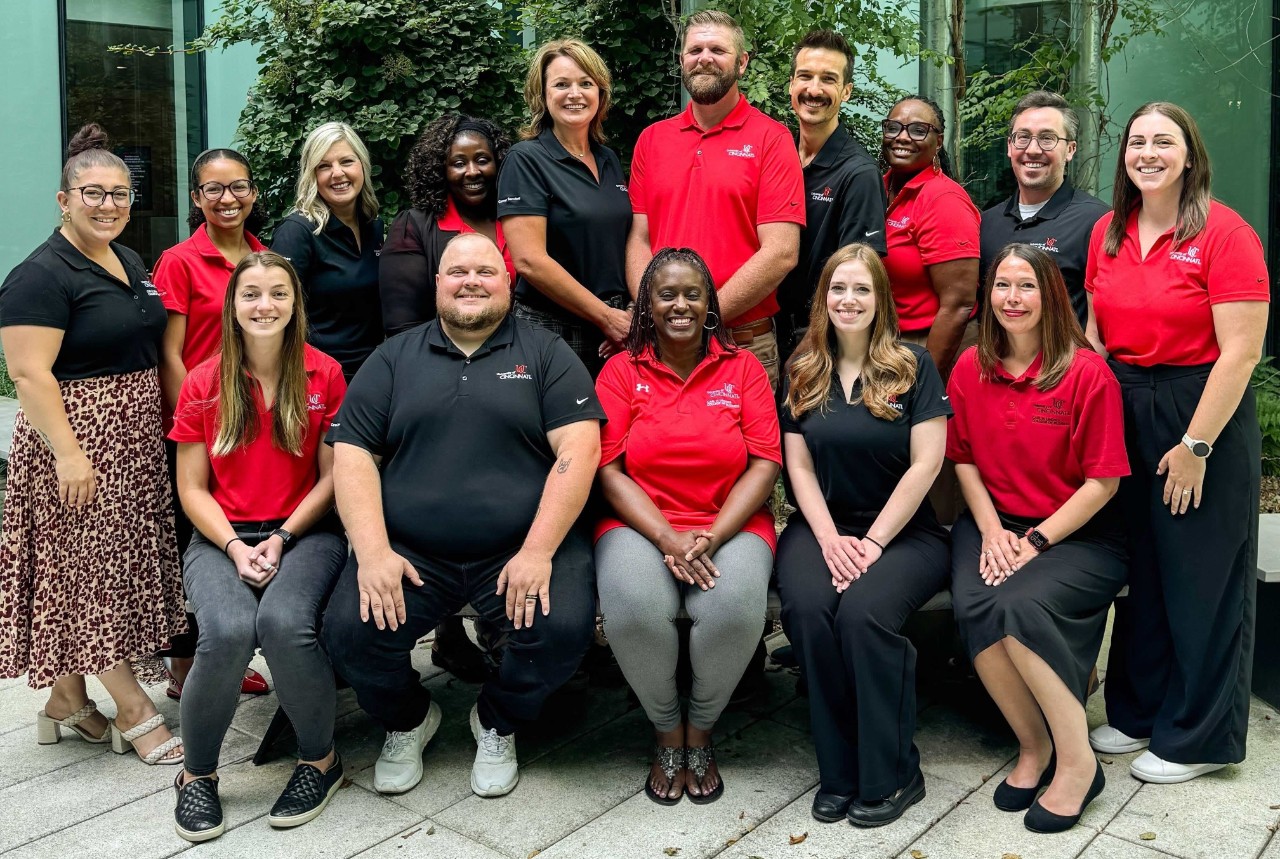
(235,618)
(539,658)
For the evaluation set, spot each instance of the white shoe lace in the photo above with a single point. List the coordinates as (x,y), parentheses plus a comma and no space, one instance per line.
(397,742)
(494,744)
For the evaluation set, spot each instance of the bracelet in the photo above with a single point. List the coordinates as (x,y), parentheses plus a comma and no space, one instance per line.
(876,542)
(228,545)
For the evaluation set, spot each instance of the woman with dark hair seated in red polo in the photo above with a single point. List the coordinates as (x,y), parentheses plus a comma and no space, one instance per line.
(1038,443)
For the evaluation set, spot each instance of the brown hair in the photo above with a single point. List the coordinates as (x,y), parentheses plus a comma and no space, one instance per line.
(825,40)
(535,85)
(715,18)
(1193,203)
(1060,334)
(890,367)
(88,148)
(237,412)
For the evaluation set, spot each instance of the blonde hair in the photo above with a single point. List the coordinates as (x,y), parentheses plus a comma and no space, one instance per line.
(237,423)
(309,203)
(889,369)
(535,85)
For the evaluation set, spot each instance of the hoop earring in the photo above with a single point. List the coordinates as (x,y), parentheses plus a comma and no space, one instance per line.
(713,326)
(66,216)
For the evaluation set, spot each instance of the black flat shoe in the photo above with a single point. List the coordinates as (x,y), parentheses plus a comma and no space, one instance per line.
(831,807)
(699,760)
(881,812)
(198,815)
(1040,819)
(306,794)
(1010,798)
(671,760)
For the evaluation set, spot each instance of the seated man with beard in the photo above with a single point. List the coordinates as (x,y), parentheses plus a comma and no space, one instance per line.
(463,455)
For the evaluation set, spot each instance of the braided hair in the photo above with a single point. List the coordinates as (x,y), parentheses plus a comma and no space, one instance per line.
(944,160)
(424,172)
(643,334)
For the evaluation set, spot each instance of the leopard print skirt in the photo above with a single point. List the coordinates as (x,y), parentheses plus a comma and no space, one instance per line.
(81,590)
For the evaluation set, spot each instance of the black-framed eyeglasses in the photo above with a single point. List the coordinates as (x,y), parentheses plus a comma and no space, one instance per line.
(96,195)
(891,128)
(1047,140)
(239,189)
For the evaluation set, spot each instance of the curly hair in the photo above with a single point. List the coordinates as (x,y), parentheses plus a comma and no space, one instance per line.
(643,334)
(424,172)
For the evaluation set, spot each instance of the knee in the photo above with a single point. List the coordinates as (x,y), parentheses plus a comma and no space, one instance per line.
(344,636)
(280,628)
(226,637)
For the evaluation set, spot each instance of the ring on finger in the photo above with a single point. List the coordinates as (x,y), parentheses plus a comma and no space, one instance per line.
(1186,492)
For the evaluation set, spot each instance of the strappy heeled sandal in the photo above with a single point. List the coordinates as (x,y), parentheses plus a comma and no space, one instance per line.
(671,761)
(699,760)
(122,741)
(49,729)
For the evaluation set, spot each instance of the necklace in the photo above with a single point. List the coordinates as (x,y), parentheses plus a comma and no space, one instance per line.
(570,151)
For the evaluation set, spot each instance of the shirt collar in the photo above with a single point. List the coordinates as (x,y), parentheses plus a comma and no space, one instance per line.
(547,137)
(714,353)
(914,184)
(1051,209)
(204,245)
(832,151)
(503,335)
(736,118)
(1032,371)
(69,253)
(451,221)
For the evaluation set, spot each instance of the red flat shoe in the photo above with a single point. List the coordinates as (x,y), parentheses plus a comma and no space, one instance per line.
(174,689)
(254,683)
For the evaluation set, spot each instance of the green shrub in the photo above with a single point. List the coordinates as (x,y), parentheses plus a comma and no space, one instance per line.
(1266,386)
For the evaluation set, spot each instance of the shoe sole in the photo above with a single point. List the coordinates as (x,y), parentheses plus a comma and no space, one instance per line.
(1172,779)
(822,818)
(872,824)
(305,817)
(1119,749)
(433,724)
(474,720)
(202,835)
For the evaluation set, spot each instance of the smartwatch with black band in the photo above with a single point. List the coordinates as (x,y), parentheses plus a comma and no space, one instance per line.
(286,539)
(1038,541)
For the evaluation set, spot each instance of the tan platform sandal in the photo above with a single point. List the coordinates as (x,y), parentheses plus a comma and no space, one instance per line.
(122,741)
(49,729)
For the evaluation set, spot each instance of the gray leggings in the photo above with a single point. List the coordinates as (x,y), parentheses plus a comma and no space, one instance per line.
(640,599)
(235,618)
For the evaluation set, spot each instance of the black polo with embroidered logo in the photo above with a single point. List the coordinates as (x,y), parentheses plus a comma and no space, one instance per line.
(587,220)
(109,326)
(1061,228)
(463,440)
(844,202)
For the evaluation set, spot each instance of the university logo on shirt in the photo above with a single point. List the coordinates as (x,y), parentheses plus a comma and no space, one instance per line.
(745,152)
(150,288)
(899,224)
(314,403)
(520,372)
(826,195)
(725,395)
(894,404)
(1050,245)
(1192,256)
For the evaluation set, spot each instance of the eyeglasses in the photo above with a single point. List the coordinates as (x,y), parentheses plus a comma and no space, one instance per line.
(891,128)
(96,195)
(239,189)
(1046,139)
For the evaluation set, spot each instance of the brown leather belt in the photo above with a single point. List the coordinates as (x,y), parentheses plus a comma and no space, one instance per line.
(744,334)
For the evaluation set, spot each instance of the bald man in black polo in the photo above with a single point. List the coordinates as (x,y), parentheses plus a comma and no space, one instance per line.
(463,455)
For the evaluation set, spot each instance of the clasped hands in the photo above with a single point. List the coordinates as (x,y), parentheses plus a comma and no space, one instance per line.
(257,565)
(687,555)
(1003,554)
(848,558)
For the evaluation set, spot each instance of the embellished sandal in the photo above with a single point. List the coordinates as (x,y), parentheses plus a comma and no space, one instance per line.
(122,741)
(49,729)
(671,760)
(699,760)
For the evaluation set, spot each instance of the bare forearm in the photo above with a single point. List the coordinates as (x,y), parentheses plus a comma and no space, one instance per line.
(1222,394)
(812,504)
(903,502)
(357,489)
(551,279)
(172,375)
(978,499)
(746,497)
(1083,504)
(638,256)
(206,514)
(314,505)
(752,283)
(634,506)
(945,335)
(563,496)
(41,401)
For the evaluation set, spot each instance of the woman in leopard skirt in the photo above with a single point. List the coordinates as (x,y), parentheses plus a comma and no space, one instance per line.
(88,560)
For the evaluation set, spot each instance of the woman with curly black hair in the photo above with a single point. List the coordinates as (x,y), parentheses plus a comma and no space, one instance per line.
(452,178)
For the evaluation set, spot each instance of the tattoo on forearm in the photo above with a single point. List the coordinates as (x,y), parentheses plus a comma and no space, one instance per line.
(564,465)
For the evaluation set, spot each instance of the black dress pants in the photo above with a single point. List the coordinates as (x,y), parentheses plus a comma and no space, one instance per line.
(1182,645)
(860,668)
(538,660)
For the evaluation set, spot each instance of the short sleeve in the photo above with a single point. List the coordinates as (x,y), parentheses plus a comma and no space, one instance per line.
(615,389)
(336,392)
(1238,268)
(964,373)
(32,296)
(947,228)
(365,415)
(1098,428)
(568,395)
(172,280)
(759,413)
(928,398)
(781,197)
(294,241)
(636,183)
(862,211)
(195,398)
(522,190)
(1095,252)
(406,277)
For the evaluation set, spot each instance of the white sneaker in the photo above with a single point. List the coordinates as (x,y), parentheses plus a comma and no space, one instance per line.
(399,767)
(1111,741)
(1152,768)
(495,771)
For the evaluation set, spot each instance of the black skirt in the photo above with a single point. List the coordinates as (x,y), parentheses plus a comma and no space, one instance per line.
(1056,605)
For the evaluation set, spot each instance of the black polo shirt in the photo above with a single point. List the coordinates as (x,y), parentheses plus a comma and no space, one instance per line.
(860,458)
(1061,228)
(464,439)
(339,285)
(109,327)
(844,202)
(587,221)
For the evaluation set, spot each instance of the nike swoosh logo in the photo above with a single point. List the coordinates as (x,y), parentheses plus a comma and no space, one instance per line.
(583,400)
(871,233)
(946,398)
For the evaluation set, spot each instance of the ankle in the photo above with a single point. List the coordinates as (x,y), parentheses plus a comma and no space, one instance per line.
(323,763)
(187,777)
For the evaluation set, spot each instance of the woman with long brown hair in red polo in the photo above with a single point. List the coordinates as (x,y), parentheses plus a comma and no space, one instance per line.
(1178,299)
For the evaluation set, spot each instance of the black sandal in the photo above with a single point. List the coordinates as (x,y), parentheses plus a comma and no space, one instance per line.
(699,759)
(671,760)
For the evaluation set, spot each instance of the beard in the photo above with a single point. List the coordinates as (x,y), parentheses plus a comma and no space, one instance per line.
(476,320)
(708,86)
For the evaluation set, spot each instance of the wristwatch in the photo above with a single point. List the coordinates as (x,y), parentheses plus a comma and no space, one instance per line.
(286,539)
(1199,447)
(1038,541)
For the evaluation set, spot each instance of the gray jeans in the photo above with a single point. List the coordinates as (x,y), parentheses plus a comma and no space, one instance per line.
(235,618)
(640,599)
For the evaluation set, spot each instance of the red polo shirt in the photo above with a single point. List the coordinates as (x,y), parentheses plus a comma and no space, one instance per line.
(259,482)
(1159,310)
(932,220)
(686,441)
(451,222)
(192,278)
(1035,448)
(709,190)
